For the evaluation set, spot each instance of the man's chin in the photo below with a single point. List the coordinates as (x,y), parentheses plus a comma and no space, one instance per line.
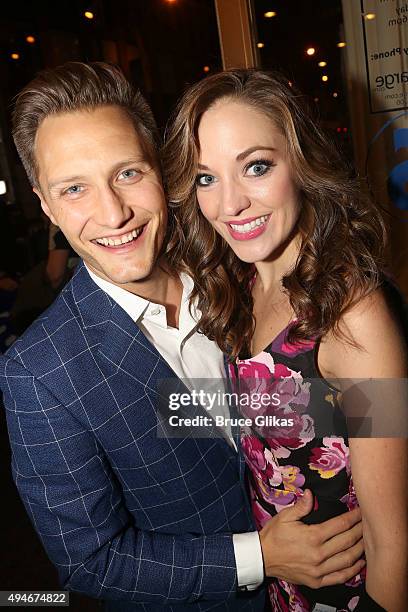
(126,276)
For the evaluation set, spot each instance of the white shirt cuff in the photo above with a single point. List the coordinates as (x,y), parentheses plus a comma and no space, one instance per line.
(249,560)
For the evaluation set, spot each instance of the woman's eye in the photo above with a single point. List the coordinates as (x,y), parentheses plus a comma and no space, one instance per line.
(127,174)
(203,180)
(258,168)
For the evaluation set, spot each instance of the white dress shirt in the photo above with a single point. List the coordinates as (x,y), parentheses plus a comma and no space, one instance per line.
(191,356)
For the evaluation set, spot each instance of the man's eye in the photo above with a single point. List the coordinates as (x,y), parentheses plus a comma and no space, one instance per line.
(258,168)
(203,180)
(127,174)
(74,189)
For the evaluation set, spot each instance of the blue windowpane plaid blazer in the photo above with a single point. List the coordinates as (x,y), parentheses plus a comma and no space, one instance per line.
(122,513)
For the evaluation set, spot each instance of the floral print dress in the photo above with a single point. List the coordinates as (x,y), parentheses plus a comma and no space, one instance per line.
(311,452)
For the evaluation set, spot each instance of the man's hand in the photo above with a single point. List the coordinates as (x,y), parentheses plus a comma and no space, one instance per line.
(312,555)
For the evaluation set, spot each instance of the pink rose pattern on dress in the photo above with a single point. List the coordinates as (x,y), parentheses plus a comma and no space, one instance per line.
(260,514)
(352,604)
(296,348)
(287,477)
(276,480)
(329,459)
(293,392)
(294,601)
(277,600)
(292,481)
(261,367)
(260,461)
(282,346)
(350,499)
(294,397)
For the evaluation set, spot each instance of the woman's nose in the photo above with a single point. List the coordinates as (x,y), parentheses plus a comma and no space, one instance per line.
(234,200)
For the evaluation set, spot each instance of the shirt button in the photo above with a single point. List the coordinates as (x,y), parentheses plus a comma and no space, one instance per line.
(155,311)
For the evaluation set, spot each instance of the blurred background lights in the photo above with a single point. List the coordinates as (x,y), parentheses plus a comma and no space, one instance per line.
(30,39)
(335,94)
(325,78)
(322,64)
(260,45)
(88,15)
(3,187)
(206,69)
(369,16)
(270,14)
(310,51)
(341,44)
(15,56)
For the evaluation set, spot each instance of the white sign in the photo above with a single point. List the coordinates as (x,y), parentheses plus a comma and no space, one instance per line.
(385,24)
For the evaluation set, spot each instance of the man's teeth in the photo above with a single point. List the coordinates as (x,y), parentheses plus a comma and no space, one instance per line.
(247,227)
(122,240)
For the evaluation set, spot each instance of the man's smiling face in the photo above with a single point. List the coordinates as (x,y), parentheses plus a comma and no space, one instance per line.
(97,185)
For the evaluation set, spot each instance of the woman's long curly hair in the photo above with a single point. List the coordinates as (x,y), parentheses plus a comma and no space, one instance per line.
(342,234)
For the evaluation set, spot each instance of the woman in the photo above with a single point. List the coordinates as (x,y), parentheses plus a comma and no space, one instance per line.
(286,253)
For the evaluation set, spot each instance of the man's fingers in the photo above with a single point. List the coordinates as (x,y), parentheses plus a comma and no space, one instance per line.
(301,508)
(342,576)
(342,560)
(339,524)
(343,541)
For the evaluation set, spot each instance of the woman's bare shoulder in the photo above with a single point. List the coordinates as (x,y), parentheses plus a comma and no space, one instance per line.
(370,342)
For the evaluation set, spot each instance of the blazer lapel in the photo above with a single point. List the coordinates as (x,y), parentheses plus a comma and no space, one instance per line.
(124,349)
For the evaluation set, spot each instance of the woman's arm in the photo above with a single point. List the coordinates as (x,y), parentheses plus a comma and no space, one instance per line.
(379,465)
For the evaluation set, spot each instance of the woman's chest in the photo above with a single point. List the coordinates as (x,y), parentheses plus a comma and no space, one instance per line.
(269,322)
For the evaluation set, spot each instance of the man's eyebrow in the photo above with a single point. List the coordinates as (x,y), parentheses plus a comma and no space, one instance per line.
(243,155)
(72,179)
(139,159)
(63,180)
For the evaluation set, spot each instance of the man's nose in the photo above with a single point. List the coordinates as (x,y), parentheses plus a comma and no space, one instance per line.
(234,199)
(111,208)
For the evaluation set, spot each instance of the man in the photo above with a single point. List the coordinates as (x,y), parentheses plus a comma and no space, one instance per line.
(123,513)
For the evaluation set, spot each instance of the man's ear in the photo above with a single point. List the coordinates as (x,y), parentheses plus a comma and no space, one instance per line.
(45,206)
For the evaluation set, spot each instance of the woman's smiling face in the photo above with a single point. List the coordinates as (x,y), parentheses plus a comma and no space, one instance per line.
(245,185)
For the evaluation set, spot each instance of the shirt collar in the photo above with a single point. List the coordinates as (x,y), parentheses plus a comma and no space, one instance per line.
(134,305)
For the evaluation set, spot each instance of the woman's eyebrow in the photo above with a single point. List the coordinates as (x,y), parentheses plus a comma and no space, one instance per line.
(250,150)
(243,155)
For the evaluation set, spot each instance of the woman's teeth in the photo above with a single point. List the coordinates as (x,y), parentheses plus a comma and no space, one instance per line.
(122,240)
(247,227)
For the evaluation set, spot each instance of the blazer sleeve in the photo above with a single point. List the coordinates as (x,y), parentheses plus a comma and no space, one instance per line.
(75,504)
